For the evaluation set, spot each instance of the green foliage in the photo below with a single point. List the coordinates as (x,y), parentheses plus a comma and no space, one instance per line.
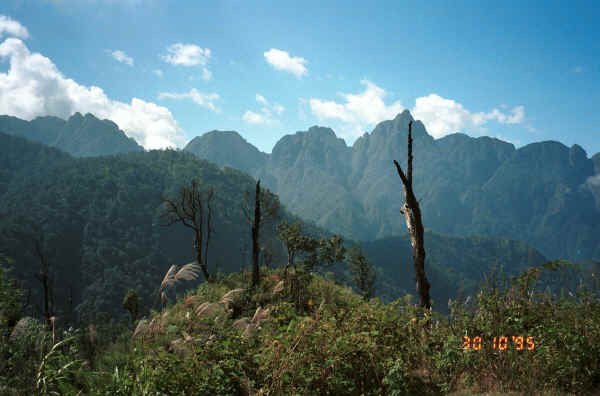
(55,374)
(337,344)
(101,220)
(395,379)
(131,303)
(363,273)
(10,297)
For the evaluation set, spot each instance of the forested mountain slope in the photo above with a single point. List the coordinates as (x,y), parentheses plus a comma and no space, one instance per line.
(545,193)
(81,136)
(97,222)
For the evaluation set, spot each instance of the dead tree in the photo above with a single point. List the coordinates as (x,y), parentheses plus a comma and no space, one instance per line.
(412,215)
(266,208)
(45,278)
(188,209)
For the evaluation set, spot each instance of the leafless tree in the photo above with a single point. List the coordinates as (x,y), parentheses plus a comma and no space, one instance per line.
(45,277)
(412,215)
(266,209)
(188,208)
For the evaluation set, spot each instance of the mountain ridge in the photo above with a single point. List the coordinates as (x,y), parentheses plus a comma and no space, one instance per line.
(355,190)
(79,135)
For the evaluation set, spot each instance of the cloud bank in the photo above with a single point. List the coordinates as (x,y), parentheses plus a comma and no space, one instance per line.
(12,27)
(33,86)
(441,116)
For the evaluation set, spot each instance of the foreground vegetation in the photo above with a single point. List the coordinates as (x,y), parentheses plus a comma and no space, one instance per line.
(301,333)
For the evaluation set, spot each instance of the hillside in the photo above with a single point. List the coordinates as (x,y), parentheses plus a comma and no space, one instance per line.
(298,333)
(545,193)
(80,136)
(100,221)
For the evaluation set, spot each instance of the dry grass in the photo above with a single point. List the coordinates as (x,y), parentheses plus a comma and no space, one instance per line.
(190,271)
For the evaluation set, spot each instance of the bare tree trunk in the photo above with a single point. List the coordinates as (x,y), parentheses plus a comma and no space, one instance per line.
(412,215)
(255,235)
(44,279)
(209,230)
(188,209)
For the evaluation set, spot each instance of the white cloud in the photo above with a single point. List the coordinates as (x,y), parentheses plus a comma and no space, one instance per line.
(359,110)
(254,118)
(202,99)
(261,99)
(281,60)
(12,27)
(441,116)
(206,74)
(266,116)
(121,56)
(158,72)
(33,86)
(186,55)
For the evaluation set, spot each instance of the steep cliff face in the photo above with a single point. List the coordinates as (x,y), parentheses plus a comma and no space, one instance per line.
(540,193)
(544,193)
(81,136)
(310,173)
(227,148)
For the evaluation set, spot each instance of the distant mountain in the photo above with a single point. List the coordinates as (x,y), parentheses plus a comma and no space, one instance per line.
(81,136)
(101,226)
(216,147)
(452,263)
(545,193)
(594,181)
(100,221)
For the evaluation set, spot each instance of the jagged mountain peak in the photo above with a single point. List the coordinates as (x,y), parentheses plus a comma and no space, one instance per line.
(227,148)
(82,136)
(218,134)
(404,115)
(316,129)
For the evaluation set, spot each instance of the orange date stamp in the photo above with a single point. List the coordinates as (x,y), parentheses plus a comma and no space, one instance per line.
(501,343)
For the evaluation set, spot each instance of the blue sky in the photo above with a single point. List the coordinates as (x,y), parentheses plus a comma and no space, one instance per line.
(167,71)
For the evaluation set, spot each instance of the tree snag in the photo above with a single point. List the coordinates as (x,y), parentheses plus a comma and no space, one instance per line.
(255,233)
(266,209)
(412,215)
(45,278)
(188,209)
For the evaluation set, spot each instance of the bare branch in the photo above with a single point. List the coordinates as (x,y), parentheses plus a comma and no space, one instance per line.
(410,154)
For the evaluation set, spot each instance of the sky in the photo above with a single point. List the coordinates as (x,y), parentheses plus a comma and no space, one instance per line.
(166,71)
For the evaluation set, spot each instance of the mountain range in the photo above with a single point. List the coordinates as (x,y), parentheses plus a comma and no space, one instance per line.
(97,221)
(544,193)
(81,136)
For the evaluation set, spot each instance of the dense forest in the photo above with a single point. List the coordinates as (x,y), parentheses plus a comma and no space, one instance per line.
(97,297)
